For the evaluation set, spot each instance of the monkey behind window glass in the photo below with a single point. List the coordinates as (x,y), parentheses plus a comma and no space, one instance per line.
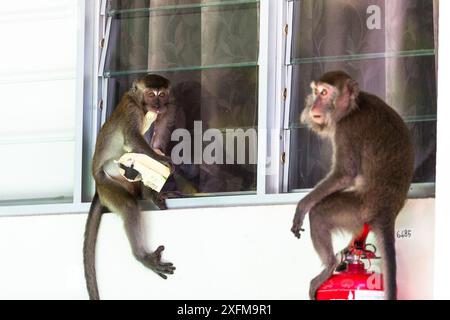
(124,132)
(371,171)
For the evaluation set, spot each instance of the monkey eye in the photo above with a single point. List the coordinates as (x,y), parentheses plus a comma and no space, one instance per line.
(151,94)
(162,94)
(324,92)
(316,91)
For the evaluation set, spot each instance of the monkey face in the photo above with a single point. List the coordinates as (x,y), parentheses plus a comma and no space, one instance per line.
(155,99)
(321,102)
(329,102)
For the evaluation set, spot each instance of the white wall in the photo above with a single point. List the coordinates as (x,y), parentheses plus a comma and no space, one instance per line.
(442,258)
(220,253)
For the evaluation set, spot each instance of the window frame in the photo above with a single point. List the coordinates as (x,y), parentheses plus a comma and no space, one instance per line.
(33,208)
(275,74)
(417,190)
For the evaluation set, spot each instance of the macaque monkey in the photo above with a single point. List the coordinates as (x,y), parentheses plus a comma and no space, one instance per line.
(124,132)
(371,172)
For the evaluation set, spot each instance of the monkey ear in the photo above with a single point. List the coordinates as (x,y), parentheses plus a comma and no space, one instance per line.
(313,85)
(353,88)
(134,86)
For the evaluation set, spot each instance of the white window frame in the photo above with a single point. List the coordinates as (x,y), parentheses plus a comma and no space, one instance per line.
(273,99)
(442,216)
(417,190)
(75,205)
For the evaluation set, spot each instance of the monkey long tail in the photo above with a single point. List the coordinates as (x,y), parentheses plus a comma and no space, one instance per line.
(90,239)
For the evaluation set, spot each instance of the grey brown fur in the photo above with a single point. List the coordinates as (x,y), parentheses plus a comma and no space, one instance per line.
(123,132)
(370,176)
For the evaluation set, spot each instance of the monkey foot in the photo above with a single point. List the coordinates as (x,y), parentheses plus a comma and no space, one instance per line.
(314,286)
(341,267)
(160,202)
(153,261)
(318,281)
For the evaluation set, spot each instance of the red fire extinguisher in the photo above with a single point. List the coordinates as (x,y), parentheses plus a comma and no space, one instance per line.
(352,281)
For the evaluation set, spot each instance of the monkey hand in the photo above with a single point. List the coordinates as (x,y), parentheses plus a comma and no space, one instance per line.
(153,262)
(167,161)
(298,223)
(297,228)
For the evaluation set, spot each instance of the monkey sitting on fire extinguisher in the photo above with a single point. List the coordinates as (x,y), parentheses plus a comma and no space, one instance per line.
(371,172)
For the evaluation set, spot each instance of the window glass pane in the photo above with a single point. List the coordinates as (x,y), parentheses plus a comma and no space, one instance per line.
(396,62)
(39,39)
(348,27)
(35,114)
(38,89)
(36,171)
(209,53)
(132,5)
(199,37)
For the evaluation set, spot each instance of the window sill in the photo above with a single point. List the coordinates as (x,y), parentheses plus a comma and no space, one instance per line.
(417,191)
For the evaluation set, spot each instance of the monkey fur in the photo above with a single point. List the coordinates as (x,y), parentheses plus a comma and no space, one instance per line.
(370,177)
(124,132)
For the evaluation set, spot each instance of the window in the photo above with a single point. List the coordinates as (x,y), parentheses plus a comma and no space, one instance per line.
(209,52)
(389,47)
(237,66)
(39,89)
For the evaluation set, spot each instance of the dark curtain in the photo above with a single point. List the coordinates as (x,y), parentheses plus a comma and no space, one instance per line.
(192,47)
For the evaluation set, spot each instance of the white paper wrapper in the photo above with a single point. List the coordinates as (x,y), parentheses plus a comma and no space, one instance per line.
(152,173)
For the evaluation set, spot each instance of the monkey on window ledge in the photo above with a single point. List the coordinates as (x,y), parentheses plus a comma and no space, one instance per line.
(122,133)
